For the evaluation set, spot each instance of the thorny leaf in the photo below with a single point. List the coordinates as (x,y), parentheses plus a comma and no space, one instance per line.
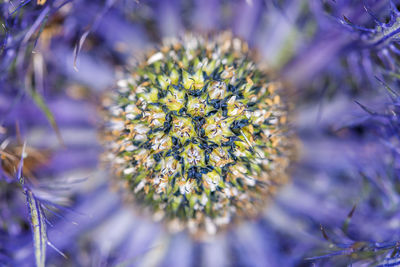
(324,234)
(38,225)
(365,108)
(36,215)
(91,27)
(347,20)
(348,219)
(387,87)
(78,47)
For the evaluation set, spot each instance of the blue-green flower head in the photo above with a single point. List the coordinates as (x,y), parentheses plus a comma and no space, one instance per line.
(199,133)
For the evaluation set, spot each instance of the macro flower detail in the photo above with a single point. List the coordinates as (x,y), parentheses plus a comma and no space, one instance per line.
(198,133)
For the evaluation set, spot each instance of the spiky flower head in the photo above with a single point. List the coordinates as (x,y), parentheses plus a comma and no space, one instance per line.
(199,133)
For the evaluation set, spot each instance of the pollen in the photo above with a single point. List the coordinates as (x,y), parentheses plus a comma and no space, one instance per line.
(197,133)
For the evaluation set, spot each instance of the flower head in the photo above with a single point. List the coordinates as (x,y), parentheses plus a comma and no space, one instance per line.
(199,133)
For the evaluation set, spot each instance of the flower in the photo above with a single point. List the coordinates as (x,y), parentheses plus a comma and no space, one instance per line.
(198,133)
(59,57)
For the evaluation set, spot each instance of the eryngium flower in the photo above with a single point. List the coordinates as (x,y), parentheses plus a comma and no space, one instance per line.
(198,132)
(103,35)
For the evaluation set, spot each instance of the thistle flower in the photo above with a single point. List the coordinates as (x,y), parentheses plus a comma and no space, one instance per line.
(82,49)
(198,133)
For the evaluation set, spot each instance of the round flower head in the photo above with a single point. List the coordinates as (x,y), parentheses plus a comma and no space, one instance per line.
(198,133)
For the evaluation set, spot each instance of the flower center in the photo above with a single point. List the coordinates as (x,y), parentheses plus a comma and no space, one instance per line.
(198,133)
